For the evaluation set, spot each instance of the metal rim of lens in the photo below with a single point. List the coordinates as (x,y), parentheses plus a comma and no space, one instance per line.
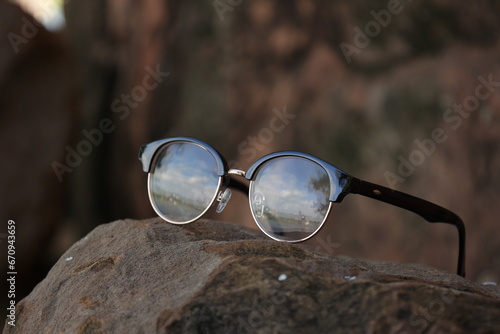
(250,191)
(151,200)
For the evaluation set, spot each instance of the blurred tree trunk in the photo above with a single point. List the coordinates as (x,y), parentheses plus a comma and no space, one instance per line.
(117,45)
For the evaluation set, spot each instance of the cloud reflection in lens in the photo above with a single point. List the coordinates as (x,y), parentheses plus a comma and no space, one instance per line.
(296,192)
(183,182)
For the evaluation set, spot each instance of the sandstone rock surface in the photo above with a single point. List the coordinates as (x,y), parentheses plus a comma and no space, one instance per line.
(211,277)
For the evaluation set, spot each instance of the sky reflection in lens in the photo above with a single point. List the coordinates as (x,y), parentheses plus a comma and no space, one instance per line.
(184,181)
(290,197)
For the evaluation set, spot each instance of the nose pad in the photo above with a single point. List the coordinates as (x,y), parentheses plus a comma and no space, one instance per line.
(223,198)
(259,203)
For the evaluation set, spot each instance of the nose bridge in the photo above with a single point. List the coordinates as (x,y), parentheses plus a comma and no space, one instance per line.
(238,172)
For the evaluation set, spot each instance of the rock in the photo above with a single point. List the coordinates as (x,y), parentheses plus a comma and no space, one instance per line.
(210,277)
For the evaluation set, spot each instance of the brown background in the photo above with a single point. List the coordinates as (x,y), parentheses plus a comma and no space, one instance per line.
(227,73)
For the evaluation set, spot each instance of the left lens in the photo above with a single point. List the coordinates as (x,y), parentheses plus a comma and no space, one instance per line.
(183,182)
(289,198)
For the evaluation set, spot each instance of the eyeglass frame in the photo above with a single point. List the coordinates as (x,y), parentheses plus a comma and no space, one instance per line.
(345,184)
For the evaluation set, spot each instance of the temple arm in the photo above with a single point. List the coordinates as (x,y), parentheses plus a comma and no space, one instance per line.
(431,212)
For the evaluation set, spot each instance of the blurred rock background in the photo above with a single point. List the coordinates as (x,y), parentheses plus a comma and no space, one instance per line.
(360,81)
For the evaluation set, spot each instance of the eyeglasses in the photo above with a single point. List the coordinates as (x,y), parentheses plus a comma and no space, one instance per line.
(290,193)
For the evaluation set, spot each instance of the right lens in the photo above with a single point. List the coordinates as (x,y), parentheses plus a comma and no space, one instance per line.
(183,182)
(289,198)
